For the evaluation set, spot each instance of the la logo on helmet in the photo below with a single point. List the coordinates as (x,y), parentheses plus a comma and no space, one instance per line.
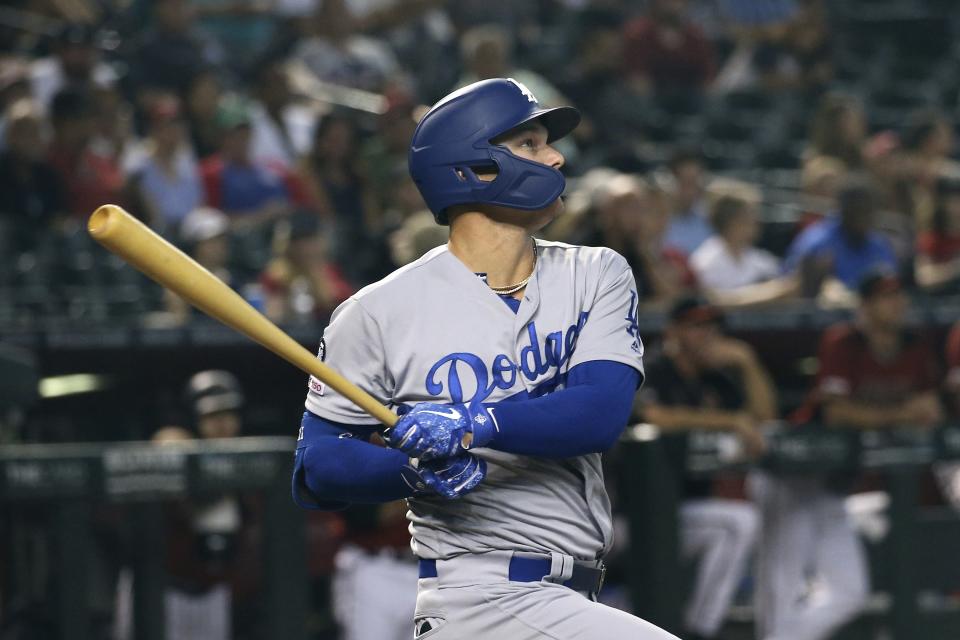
(524,90)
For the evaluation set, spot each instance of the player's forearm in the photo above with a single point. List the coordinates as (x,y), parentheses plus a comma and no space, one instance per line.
(677,418)
(761,395)
(842,412)
(586,417)
(343,468)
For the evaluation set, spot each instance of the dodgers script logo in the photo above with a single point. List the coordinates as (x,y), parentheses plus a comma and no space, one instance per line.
(536,360)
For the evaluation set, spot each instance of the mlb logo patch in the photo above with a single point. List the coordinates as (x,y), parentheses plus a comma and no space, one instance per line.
(316,386)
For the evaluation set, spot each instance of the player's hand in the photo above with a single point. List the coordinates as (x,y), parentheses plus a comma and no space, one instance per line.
(430,431)
(746,428)
(454,477)
(727,352)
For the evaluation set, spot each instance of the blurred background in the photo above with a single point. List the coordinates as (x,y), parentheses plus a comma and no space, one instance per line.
(781,174)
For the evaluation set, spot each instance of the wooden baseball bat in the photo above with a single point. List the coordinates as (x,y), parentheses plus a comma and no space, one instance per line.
(136,243)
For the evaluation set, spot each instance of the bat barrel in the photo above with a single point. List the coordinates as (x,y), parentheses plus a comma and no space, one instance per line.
(136,243)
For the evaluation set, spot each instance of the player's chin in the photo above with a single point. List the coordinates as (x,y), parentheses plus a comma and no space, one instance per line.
(542,217)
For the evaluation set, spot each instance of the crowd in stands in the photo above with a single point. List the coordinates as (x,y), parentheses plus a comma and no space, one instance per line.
(739,154)
(725,149)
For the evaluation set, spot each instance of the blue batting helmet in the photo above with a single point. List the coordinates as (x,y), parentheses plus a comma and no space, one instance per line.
(452,142)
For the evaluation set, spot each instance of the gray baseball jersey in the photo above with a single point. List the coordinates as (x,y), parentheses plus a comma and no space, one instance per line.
(434,331)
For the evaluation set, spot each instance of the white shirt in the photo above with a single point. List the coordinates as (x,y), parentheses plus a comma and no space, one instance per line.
(717,268)
(270,145)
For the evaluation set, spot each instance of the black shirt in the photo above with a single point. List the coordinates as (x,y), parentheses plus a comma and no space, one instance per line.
(709,389)
(33,195)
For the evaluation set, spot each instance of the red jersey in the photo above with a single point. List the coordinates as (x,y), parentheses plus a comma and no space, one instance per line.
(683,59)
(953,365)
(938,247)
(848,368)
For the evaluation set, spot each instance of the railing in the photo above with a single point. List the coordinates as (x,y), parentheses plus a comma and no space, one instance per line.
(71,478)
(922,550)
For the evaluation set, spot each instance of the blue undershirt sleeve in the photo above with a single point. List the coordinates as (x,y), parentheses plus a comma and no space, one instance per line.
(336,465)
(585,417)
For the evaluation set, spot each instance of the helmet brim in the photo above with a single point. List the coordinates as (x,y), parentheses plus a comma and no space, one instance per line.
(559,121)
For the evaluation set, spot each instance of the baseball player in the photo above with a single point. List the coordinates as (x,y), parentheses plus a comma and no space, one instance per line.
(514,362)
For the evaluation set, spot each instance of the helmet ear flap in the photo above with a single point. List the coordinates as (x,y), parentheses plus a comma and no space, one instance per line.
(485,172)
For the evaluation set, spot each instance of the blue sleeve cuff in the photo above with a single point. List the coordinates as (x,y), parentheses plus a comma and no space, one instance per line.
(585,417)
(335,466)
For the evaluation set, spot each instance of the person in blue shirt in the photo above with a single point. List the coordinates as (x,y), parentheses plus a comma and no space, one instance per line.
(842,247)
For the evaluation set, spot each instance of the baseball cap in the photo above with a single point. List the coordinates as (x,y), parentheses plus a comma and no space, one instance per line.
(694,310)
(203,223)
(233,112)
(77,33)
(214,391)
(878,282)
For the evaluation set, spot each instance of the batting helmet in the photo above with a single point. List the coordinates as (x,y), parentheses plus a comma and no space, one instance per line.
(213,391)
(452,142)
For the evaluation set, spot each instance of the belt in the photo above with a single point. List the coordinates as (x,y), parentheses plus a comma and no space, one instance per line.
(524,569)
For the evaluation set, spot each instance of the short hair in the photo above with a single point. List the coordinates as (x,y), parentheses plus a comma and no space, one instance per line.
(725,210)
(684,155)
(472,40)
(855,188)
(70,104)
(920,125)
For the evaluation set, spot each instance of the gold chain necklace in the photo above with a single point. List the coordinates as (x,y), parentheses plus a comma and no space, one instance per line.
(513,288)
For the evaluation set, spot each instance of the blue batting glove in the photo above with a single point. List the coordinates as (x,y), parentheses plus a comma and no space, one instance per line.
(453,477)
(430,431)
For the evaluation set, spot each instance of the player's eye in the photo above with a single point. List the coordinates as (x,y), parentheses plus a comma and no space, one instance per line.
(528,143)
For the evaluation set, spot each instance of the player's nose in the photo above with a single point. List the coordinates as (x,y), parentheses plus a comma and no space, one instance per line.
(553,158)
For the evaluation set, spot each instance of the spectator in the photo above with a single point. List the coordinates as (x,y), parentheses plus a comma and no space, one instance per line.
(953,369)
(254,195)
(728,266)
(632,218)
(383,154)
(418,234)
(174,51)
(948,472)
(336,179)
(204,236)
(808,38)
(168,179)
(211,552)
(339,54)
(688,226)
(819,182)
(937,264)
(704,381)
(33,193)
(873,374)
(75,64)
(91,178)
(242,28)
(594,81)
(838,131)
(281,128)
(487,52)
(203,97)
(842,248)
(926,145)
(301,282)
(666,53)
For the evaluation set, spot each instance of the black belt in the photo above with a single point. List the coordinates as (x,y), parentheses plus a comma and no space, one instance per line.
(585,577)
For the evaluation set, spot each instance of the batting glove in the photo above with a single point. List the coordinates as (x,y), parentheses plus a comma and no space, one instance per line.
(454,477)
(430,431)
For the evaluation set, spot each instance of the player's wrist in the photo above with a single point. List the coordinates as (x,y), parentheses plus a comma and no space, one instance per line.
(483,427)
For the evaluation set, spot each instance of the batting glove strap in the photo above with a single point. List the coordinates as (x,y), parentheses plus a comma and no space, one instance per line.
(483,426)
(453,477)
(431,431)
